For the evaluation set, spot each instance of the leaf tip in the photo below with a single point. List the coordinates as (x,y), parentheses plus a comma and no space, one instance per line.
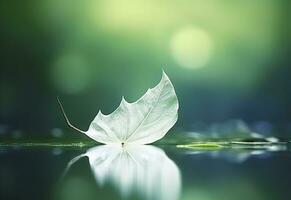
(100,113)
(163,72)
(123,100)
(164,75)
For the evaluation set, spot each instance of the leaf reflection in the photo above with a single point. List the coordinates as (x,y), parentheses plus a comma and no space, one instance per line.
(142,169)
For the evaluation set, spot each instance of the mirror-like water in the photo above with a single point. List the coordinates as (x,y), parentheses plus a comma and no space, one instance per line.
(144,172)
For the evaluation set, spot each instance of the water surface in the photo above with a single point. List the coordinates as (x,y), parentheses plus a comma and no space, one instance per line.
(147,172)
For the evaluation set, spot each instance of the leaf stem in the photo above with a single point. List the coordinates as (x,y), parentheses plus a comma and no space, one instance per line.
(67,119)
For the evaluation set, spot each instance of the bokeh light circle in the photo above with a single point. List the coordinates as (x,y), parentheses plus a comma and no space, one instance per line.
(71,74)
(191,47)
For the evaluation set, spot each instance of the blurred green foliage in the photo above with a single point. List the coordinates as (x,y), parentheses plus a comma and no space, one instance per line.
(226,59)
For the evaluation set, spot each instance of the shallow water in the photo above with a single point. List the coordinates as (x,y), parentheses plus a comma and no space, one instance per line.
(160,172)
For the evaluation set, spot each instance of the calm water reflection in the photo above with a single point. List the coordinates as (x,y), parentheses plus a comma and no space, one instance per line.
(141,170)
(144,172)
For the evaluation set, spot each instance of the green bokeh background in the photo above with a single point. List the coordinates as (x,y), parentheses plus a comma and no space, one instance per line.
(226,59)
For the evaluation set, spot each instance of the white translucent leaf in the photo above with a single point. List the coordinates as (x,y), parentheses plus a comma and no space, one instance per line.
(135,169)
(142,122)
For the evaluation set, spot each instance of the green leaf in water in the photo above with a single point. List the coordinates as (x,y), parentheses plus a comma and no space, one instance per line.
(204,146)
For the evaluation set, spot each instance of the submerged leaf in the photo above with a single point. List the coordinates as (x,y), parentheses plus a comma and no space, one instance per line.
(203,146)
(142,122)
